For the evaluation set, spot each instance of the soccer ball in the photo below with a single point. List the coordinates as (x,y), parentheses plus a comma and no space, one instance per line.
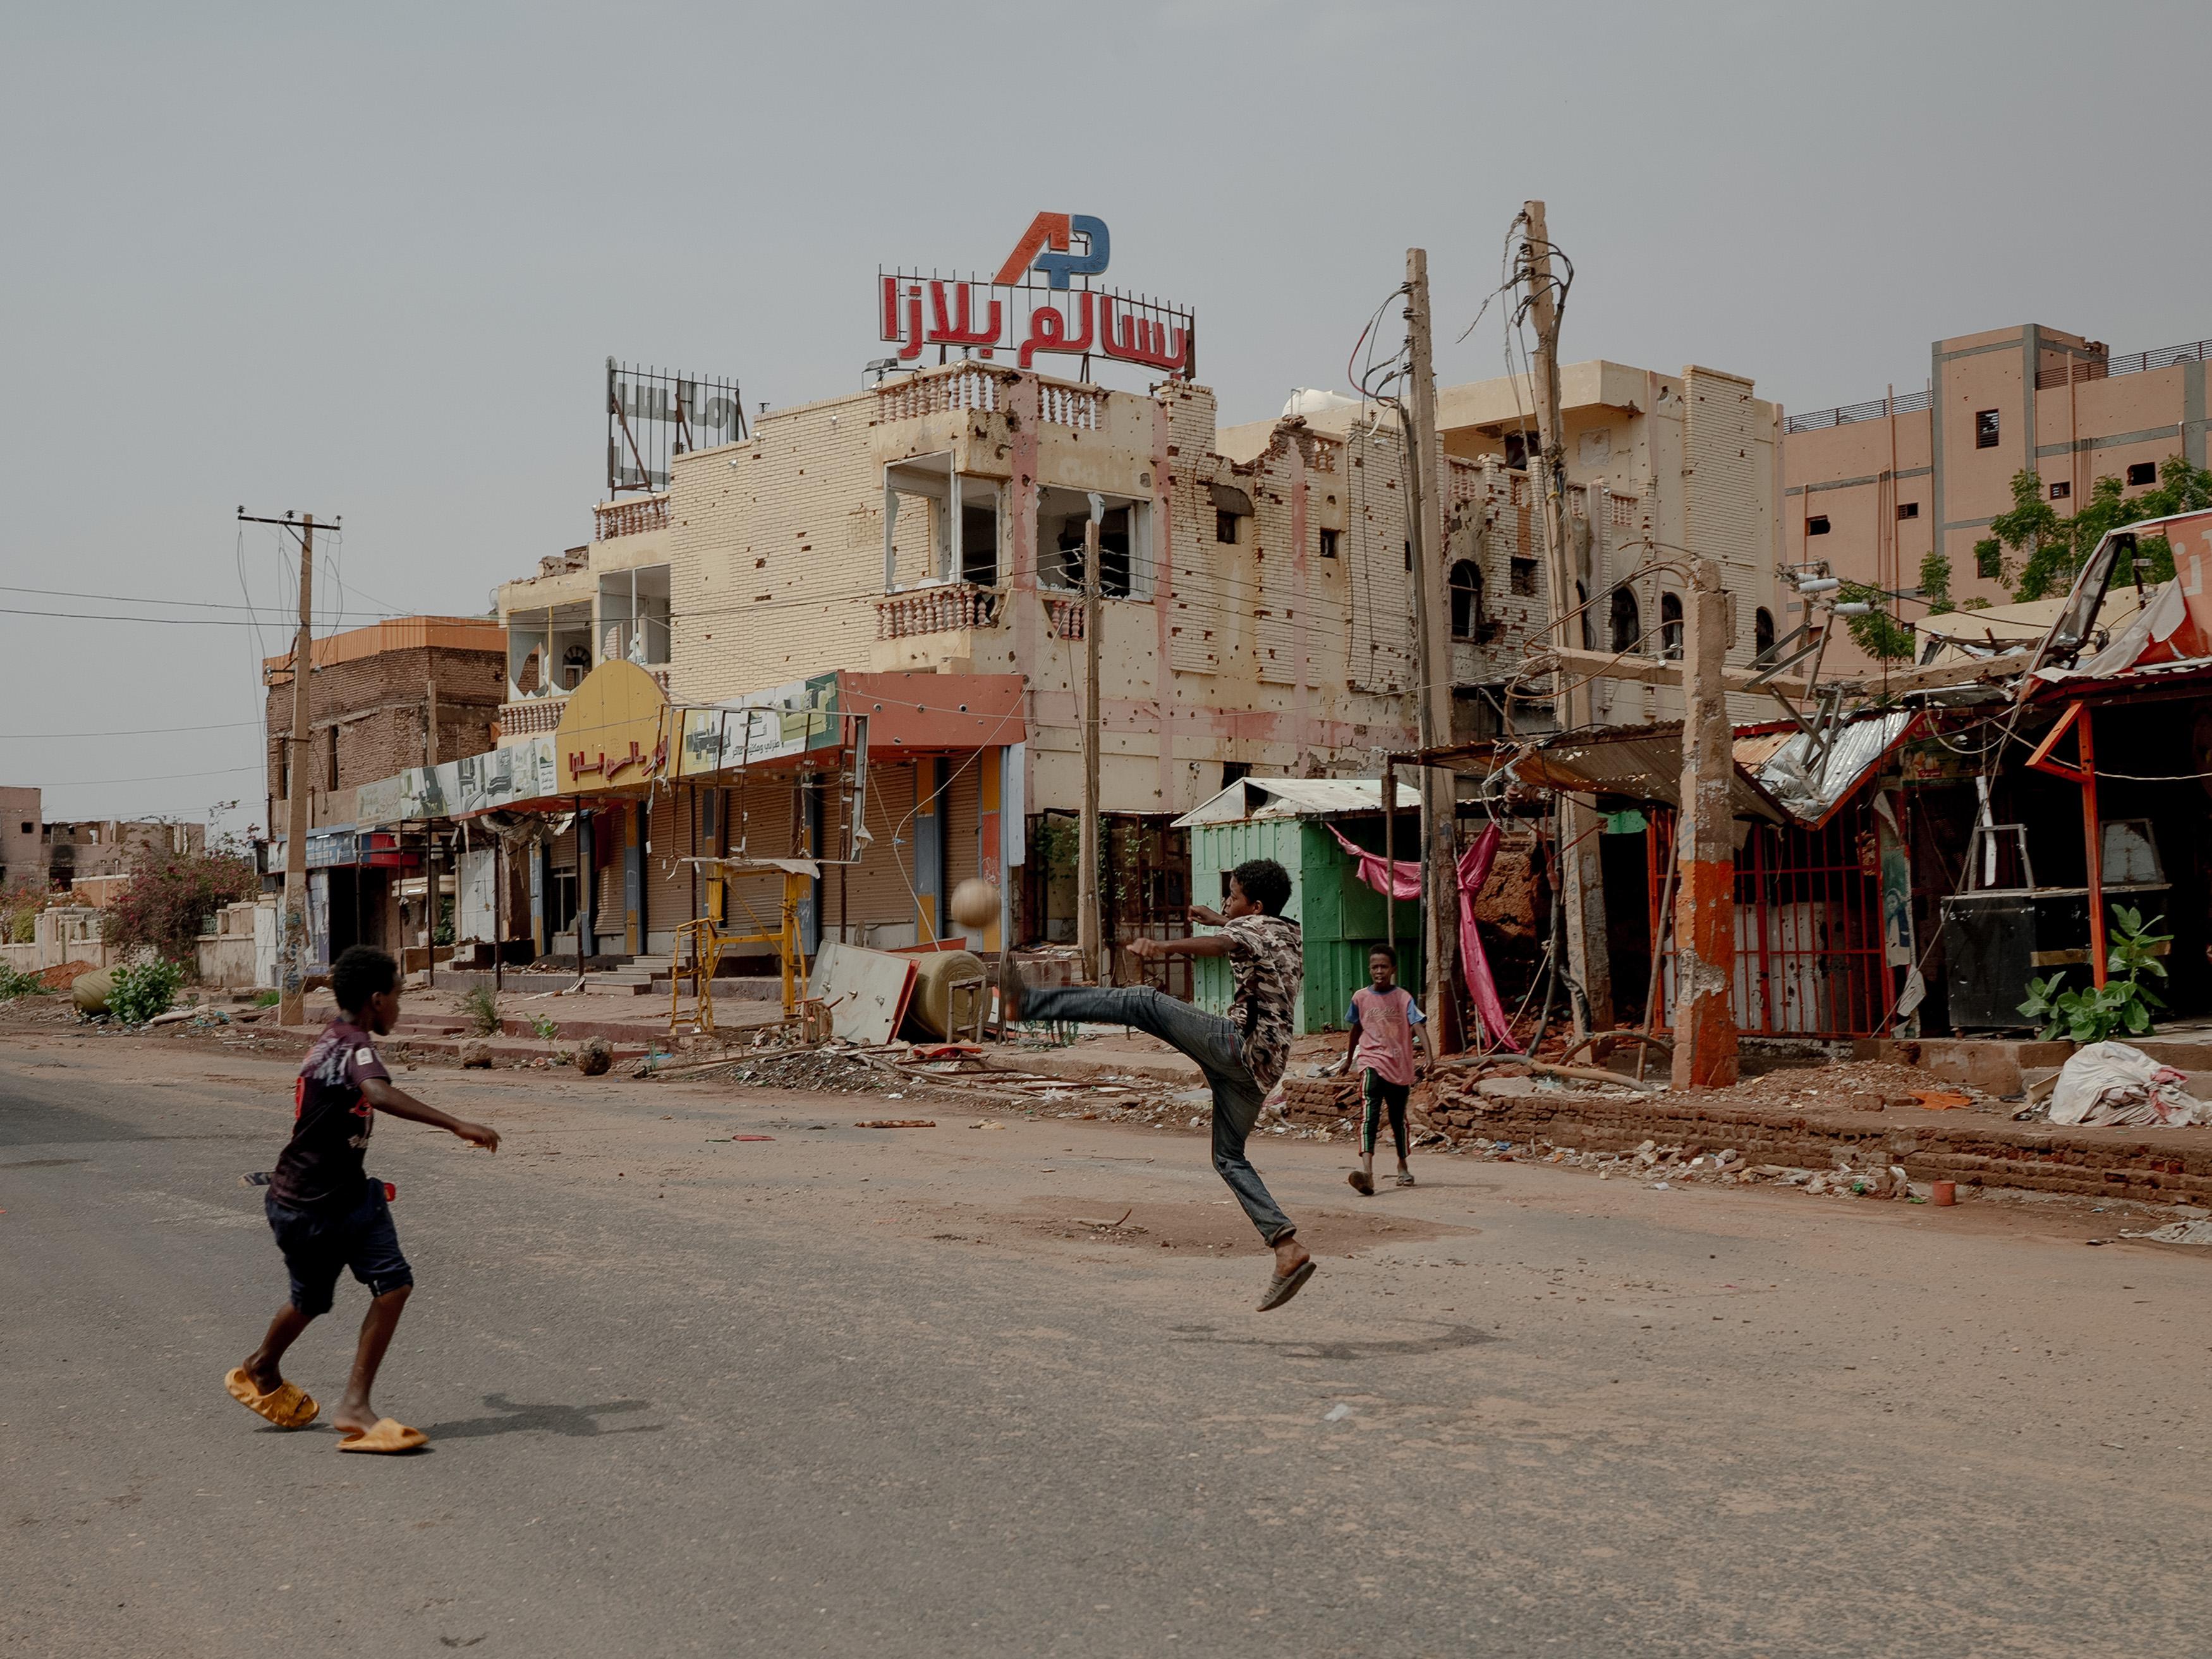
(975,903)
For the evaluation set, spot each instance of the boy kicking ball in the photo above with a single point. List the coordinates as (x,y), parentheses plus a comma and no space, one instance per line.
(329,1214)
(1242,1056)
(1385,1020)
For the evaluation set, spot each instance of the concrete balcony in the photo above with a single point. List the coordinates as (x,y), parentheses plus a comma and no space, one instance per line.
(936,629)
(526,717)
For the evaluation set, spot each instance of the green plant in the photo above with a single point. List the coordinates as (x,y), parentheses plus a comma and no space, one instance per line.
(171,895)
(481,1005)
(144,990)
(14,985)
(1878,633)
(2056,547)
(2122,1003)
(268,999)
(1935,584)
(546,1029)
(23,926)
(443,933)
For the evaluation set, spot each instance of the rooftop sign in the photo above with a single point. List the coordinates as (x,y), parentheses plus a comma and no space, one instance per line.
(1040,301)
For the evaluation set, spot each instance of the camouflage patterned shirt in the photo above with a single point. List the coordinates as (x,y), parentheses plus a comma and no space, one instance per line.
(1268,956)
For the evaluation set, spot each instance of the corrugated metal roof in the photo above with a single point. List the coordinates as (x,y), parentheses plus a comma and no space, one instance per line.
(1642,763)
(1294,798)
(1856,749)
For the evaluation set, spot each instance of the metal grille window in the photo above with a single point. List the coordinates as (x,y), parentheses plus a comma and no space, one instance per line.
(1908,509)
(1986,428)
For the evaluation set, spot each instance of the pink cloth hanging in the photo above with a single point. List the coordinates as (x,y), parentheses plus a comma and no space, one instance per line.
(1400,878)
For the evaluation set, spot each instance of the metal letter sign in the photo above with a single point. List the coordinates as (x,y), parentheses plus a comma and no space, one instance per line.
(1015,312)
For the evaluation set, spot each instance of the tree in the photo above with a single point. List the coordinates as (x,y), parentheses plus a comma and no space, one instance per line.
(1878,633)
(1935,584)
(171,895)
(2056,548)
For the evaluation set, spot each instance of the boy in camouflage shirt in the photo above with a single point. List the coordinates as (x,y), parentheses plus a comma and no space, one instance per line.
(1243,1055)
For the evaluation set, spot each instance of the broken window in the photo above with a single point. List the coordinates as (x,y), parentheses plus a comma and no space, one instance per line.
(1224,528)
(2142,472)
(1817,525)
(1521,576)
(1520,448)
(1671,624)
(1583,610)
(1762,632)
(1625,621)
(1124,542)
(1466,599)
(1908,509)
(1986,428)
(2061,490)
(1328,543)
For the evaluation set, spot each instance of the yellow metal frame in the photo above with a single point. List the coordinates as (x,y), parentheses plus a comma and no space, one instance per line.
(710,941)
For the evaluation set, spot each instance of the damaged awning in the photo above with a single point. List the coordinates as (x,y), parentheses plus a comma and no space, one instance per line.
(1781,775)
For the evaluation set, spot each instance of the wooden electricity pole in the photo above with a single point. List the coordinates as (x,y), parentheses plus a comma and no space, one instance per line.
(1432,656)
(1705,848)
(1087,943)
(1582,874)
(292,943)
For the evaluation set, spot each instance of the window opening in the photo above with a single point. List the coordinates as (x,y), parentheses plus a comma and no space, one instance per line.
(1762,632)
(1466,599)
(1625,621)
(1328,543)
(978,544)
(1908,509)
(2142,472)
(1986,428)
(1224,528)
(1521,576)
(1671,624)
(1817,525)
(2061,490)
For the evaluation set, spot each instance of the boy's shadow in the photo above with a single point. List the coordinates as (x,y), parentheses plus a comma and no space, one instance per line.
(577,1422)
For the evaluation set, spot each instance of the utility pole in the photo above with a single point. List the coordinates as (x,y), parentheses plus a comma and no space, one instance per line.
(1582,874)
(292,947)
(1705,848)
(1432,656)
(1087,942)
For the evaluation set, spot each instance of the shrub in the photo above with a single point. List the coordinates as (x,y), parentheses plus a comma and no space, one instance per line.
(23,927)
(268,999)
(2092,1014)
(14,985)
(481,1008)
(145,990)
(171,895)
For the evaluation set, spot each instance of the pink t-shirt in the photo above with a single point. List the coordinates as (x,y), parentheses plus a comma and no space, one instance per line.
(1386,1021)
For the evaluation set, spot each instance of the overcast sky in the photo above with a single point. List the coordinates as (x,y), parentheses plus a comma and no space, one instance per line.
(370,261)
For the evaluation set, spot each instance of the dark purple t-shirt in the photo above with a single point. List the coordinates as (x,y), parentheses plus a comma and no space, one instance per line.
(322,1168)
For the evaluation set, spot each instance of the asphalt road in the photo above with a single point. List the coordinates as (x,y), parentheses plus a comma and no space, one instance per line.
(848,1392)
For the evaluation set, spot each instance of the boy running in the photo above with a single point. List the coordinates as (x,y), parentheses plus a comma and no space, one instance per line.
(1384,1021)
(328,1213)
(1242,1056)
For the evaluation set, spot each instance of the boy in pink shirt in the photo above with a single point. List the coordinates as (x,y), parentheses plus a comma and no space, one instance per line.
(1384,1020)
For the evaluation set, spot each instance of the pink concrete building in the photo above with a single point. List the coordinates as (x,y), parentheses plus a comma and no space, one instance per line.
(1873,487)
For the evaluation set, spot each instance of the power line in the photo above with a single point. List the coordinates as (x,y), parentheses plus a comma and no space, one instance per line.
(141,732)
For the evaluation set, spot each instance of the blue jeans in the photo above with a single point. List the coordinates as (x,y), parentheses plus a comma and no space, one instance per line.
(1206,1038)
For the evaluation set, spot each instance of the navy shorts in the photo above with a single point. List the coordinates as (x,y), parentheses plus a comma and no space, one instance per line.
(317,1248)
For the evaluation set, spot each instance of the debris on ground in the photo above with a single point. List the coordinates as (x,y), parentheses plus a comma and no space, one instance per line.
(594,1056)
(2177,1232)
(2115,1083)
